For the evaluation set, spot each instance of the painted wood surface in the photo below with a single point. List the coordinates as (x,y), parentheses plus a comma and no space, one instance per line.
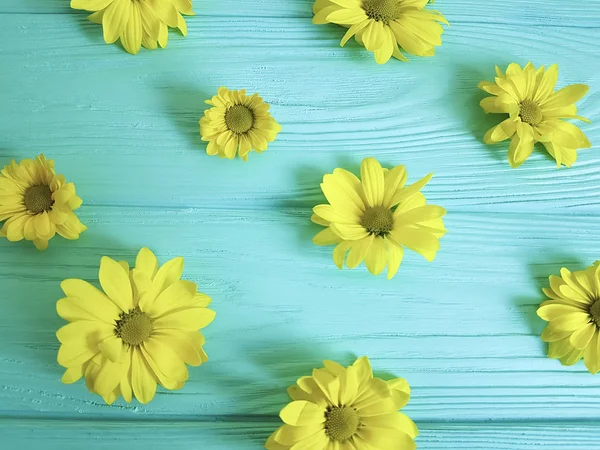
(462,330)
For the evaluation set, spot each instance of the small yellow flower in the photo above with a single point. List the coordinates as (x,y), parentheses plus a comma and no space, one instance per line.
(141,330)
(383,25)
(345,408)
(37,203)
(535,111)
(374,218)
(573,313)
(137,22)
(237,123)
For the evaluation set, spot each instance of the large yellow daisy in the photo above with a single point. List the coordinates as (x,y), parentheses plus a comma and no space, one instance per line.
(142,330)
(37,204)
(237,124)
(383,25)
(137,22)
(345,408)
(535,111)
(375,217)
(573,313)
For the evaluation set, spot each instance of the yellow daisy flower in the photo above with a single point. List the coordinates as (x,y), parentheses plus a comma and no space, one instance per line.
(375,217)
(383,25)
(535,111)
(137,22)
(237,123)
(345,408)
(142,330)
(573,313)
(36,203)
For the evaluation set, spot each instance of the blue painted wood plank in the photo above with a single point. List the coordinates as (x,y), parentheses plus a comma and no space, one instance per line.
(250,435)
(462,330)
(468,343)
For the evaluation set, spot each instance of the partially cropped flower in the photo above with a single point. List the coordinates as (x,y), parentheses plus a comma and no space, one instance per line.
(37,204)
(345,408)
(535,113)
(376,217)
(142,330)
(383,25)
(573,313)
(137,22)
(237,124)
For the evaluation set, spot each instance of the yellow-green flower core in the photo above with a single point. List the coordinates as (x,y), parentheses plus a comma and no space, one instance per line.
(595,312)
(381,10)
(239,119)
(134,327)
(378,220)
(530,112)
(341,423)
(38,199)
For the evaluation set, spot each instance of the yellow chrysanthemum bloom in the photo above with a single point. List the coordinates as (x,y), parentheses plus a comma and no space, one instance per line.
(141,331)
(37,203)
(573,313)
(535,111)
(237,123)
(375,217)
(137,22)
(344,408)
(381,25)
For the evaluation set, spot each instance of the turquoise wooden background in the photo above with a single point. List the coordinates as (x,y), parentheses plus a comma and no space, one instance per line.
(461,330)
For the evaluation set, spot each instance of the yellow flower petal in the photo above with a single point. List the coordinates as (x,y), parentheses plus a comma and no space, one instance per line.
(125,385)
(501,132)
(290,435)
(572,357)
(326,237)
(83,296)
(570,322)
(168,273)
(388,438)
(143,382)
(376,258)
(566,96)
(131,38)
(422,242)
(178,295)
(395,255)
(591,354)
(109,377)
(165,363)
(373,181)
(550,312)
(190,319)
(72,375)
(186,345)
(302,413)
(114,20)
(349,232)
(582,337)
(113,348)
(359,250)
(547,83)
(116,283)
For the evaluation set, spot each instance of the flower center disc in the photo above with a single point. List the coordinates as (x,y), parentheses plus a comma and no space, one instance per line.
(38,199)
(381,10)
(239,118)
(341,423)
(530,112)
(378,220)
(595,312)
(134,327)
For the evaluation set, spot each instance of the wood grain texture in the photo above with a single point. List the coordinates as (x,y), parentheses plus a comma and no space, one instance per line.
(237,433)
(461,330)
